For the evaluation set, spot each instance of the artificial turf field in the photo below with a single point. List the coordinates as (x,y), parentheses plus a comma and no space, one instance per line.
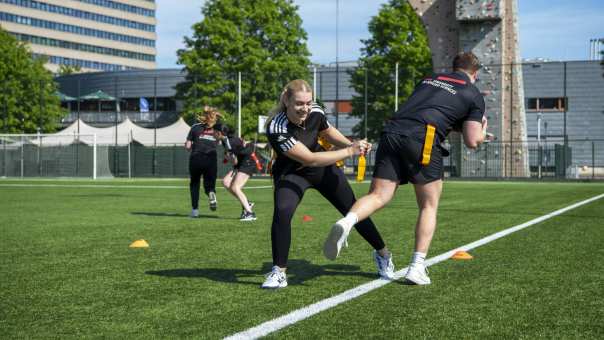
(66,270)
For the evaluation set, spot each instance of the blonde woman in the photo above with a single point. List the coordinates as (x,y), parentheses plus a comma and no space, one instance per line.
(202,142)
(301,163)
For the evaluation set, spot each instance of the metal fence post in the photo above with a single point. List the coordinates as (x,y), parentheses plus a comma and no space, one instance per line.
(154,123)
(22,145)
(593,160)
(564,161)
(486,159)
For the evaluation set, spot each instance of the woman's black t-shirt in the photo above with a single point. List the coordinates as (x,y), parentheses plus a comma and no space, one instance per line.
(283,135)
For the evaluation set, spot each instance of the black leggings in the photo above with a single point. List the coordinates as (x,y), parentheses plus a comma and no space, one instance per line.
(206,165)
(289,190)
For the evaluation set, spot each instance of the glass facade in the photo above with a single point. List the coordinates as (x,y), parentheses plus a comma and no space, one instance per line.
(122,7)
(80,14)
(122,32)
(83,63)
(19,19)
(83,47)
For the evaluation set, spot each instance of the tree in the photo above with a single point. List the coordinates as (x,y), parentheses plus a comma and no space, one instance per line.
(397,35)
(65,70)
(262,39)
(28,99)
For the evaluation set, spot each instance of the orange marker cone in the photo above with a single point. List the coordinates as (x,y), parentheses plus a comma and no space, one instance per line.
(306,218)
(462,255)
(139,244)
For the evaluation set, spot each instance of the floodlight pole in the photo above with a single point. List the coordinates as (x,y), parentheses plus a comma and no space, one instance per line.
(154,122)
(396,87)
(239,105)
(314,83)
(366,101)
(337,107)
(79,95)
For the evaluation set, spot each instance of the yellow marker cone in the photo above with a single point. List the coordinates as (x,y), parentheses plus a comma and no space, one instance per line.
(139,244)
(462,255)
(361,168)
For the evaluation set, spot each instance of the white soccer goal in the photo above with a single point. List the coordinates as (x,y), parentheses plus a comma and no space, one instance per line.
(53,155)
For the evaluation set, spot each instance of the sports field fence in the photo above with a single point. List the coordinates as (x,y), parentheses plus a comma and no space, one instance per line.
(51,156)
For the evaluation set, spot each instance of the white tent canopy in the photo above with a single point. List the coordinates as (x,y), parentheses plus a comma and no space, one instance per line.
(127,132)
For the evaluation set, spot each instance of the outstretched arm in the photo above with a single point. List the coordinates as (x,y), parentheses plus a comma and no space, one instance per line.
(301,154)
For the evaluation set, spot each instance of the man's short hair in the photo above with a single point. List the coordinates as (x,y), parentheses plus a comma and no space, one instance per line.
(466,61)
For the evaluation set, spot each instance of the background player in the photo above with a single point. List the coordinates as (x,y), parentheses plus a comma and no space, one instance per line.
(202,142)
(244,167)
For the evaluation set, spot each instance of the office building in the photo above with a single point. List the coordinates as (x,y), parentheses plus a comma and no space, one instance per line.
(94,35)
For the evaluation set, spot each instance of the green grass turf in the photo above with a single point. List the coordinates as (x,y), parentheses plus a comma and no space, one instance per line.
(67,272)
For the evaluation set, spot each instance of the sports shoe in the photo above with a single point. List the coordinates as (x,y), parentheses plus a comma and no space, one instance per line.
(417,274)
(336,239)
(247,216)
(384,265)
(275,279)
(212,200)
(194,213)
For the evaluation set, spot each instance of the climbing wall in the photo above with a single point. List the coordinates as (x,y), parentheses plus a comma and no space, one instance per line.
(489,29)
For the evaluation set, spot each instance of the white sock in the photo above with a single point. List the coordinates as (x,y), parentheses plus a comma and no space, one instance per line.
(418,258)
(351,219)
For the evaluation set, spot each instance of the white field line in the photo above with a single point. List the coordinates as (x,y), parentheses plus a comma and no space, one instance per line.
(44,185)
(310,310)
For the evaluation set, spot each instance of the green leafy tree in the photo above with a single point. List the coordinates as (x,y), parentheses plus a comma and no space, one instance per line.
(28,99)
(65,70)
(397,35)
(262,39)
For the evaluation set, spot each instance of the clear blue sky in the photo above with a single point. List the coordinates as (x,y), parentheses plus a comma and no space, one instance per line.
(553,29)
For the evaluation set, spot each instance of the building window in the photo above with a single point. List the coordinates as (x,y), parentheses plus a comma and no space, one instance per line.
(546,104)
(80,14)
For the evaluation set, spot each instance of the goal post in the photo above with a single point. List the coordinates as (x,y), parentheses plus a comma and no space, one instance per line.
(53,155)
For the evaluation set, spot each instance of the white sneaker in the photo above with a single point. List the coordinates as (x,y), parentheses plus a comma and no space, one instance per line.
(212,200)
(275,279)
(337,238)
(417,274)
(194,213)
(384,265)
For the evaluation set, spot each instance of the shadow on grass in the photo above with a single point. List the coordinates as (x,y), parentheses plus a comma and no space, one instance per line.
(162,214)
(298,271)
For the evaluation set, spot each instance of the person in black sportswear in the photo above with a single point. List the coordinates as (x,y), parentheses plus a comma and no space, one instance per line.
(410,151)
(202,142)
(244,167)
(301,163)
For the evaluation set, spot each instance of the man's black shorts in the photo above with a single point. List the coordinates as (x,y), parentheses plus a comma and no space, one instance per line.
(247,166)
(398,158)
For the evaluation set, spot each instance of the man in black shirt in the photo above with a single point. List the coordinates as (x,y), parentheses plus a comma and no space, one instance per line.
(410,151)
(201,142)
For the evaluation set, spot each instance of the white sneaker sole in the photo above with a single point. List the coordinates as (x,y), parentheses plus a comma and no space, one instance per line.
(247,219)
(413,279)
(334,242)
(281,285)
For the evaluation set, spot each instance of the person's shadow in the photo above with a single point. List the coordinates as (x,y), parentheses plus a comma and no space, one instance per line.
(298,271)
(164,214)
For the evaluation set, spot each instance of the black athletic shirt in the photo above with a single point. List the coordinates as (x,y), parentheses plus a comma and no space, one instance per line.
(444,100)
(203,139)
(237,147)
(283,135)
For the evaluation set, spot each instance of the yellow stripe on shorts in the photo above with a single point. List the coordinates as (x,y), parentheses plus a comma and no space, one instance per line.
(428,142)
